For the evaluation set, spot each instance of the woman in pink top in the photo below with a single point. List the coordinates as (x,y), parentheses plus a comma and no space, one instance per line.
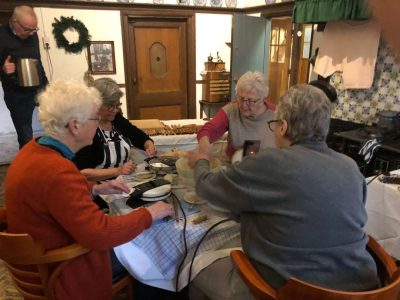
(245,118)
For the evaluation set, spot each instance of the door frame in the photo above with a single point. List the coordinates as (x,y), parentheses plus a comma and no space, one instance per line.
(169,15)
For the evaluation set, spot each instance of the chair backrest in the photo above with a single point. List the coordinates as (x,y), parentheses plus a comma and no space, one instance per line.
(300,290)
(34,271)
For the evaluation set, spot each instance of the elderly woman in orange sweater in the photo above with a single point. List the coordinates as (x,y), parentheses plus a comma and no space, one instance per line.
(47,197)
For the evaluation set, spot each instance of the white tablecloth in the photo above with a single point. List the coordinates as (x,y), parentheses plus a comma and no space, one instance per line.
(183,142)
(165,143)
(383,208)
(154,256)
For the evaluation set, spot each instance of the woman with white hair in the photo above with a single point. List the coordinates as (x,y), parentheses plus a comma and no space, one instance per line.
(109,154)
(301,206)
(48,198)
(244,118)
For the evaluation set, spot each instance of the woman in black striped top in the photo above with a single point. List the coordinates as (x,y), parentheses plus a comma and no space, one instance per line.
(108,156)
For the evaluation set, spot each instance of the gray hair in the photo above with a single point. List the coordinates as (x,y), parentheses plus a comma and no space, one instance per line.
(63,100)
(109,90)
(253,82)
(307,111)
(20,12)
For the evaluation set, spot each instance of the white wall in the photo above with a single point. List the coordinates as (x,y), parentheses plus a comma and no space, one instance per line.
(212,32)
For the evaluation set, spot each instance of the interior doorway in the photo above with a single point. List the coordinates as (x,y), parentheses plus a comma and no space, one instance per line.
(158,63)
(289,54)
(279,57)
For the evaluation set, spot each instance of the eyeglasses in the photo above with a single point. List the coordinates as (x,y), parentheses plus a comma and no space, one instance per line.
(111,107)
(26,29)
(90,119)
(247,101)
(271,126)
(95,119)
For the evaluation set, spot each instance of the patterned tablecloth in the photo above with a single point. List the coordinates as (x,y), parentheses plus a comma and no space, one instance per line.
(154,256)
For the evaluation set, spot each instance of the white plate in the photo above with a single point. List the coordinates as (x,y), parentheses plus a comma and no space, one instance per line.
(142,176)
(156,198)
(158,191)
(192,198)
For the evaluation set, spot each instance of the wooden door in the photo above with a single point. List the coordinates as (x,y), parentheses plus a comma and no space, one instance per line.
(249,51)
(159,73)
(279,60)
(304,53)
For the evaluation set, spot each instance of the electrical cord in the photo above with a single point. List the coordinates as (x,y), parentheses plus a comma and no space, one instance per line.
(373,178)
(184,241)
(201,240)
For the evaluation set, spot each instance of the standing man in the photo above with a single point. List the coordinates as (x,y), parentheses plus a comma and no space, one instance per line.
(19,40)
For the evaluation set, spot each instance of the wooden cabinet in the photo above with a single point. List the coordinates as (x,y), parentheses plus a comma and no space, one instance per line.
(216,86)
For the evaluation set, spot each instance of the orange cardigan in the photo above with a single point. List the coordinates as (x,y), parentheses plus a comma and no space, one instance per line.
(47,197)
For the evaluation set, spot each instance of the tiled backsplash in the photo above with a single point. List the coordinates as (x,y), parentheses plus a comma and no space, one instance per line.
(362,105)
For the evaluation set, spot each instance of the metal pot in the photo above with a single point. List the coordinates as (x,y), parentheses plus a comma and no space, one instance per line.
(28,73)
(389,122)
(163,164)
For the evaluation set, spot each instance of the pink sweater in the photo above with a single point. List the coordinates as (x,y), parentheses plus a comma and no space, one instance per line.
(239,128)
(47,197)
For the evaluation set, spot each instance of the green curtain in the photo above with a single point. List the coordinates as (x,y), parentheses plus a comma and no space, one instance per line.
(317,11)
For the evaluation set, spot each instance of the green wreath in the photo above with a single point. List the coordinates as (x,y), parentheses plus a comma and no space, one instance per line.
(60,26)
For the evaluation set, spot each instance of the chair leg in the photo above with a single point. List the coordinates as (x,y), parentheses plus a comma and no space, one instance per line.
(126,283)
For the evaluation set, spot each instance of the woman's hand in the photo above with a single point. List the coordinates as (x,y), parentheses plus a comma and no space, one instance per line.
(194,156)
(160,210)
(127,168)
(150,148)
(204,144)
(110,187)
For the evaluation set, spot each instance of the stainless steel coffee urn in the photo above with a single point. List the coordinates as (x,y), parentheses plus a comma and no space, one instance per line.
(28,73)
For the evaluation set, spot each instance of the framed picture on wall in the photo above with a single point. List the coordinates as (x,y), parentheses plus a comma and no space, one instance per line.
(101,57)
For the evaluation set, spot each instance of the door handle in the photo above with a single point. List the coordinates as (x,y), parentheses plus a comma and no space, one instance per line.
(134,81)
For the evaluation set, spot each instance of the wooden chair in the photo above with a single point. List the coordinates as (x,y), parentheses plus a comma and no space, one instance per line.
(301,290)
(37,283)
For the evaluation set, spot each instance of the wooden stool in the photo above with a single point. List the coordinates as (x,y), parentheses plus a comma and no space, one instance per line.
(208,106)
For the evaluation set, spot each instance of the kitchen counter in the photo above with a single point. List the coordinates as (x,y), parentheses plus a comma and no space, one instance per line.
(358,135)
(386,159)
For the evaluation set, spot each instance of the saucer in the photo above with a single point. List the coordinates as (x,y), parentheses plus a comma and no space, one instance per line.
(192,198)
(158,191)
(150,199)
(142,176)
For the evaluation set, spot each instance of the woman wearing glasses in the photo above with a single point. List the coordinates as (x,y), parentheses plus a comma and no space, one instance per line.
(244,118)
(108,156)
(297,218)
(48,198)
